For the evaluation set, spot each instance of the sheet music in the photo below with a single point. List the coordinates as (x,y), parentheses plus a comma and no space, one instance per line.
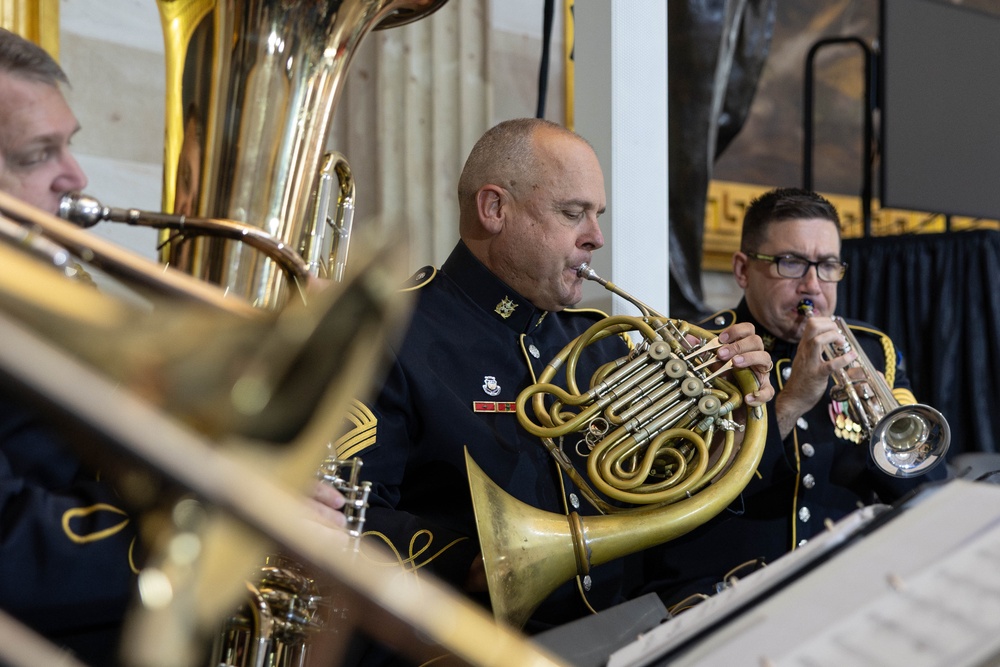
(697,618)
(947,615)
(923,589)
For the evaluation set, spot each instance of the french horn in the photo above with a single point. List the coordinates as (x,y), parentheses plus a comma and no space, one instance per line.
(903,440)
(661,428)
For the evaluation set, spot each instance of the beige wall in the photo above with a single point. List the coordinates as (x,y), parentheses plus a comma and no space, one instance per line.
(112,51)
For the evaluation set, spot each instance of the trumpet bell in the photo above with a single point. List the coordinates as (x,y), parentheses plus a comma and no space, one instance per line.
(910,440)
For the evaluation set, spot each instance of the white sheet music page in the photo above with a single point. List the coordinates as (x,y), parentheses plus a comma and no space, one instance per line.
(921,590)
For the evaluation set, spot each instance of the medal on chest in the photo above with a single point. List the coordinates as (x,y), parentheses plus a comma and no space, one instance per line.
(844,427)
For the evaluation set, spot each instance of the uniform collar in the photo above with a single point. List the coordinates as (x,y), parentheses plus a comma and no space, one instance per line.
(497,299)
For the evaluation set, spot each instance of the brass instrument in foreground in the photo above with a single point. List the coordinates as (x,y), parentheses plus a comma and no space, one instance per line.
(237,410)
(904,440)
(661,428)
(286,607)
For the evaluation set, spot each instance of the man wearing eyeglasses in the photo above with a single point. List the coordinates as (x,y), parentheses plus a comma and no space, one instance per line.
(816,466)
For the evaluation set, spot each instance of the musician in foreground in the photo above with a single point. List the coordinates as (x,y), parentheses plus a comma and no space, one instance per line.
(485,325)
(816,466)
(66,540)
(68,544)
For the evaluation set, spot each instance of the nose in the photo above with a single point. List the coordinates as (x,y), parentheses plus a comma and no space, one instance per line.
(811,279)
(71,176)
(591,238)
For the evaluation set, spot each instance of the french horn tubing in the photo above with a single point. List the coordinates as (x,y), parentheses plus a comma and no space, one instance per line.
(903,440)
(660,426)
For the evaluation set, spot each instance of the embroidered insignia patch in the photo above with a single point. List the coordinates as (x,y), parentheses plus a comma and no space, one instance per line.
(362,425)
(505,308)
(494,406)
(490,385)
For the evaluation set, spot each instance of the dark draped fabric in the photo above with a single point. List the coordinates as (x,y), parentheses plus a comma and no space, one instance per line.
(937,296)
(716,51)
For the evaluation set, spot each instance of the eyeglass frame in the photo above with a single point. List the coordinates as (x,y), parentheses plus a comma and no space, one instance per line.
(776,260)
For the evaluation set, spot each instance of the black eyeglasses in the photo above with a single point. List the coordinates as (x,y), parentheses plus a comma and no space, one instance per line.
(791,266)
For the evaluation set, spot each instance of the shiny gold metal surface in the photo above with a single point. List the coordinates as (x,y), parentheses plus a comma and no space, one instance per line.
(660,430)
(237,410)
(251,89)
(56,241)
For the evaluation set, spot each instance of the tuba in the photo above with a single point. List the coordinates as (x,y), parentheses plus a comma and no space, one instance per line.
(903,440)
(661,428)
(255,205)
(251,89)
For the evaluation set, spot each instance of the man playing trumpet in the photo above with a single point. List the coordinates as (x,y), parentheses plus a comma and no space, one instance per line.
(816,466)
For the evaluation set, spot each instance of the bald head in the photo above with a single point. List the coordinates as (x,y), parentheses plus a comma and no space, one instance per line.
(529,199)
(508,155)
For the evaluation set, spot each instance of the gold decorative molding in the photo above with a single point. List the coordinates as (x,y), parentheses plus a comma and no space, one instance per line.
(37,20)
(727,202)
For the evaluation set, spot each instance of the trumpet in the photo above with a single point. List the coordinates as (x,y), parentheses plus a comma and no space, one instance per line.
(904,440)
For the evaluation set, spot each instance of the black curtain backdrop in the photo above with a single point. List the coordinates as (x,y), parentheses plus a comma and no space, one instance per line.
(937,296)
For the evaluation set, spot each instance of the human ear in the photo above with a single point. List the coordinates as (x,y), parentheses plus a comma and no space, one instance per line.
(490,207)
(740,264)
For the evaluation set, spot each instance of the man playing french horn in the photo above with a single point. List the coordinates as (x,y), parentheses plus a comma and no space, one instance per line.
(485,325)
(816,466)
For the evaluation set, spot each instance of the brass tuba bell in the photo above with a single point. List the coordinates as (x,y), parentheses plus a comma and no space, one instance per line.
(251,90)
(661,428)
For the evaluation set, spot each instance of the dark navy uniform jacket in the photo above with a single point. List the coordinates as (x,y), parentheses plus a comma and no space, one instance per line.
(65,542)
(472,346)
(818,473)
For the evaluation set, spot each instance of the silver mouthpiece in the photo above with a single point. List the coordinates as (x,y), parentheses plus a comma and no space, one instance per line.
(584,271)
(82,209)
